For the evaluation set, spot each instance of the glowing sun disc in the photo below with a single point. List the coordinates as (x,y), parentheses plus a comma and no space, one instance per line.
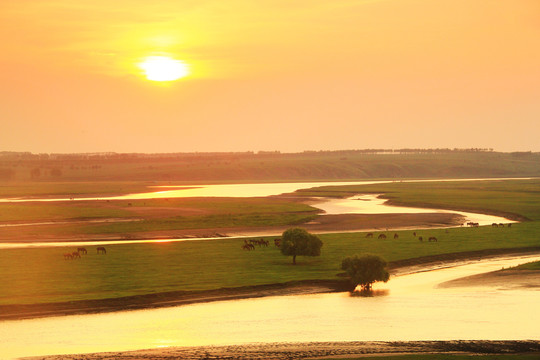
(162,68)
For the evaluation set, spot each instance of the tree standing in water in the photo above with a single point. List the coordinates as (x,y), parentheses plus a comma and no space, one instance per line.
(365,270)
(297,241)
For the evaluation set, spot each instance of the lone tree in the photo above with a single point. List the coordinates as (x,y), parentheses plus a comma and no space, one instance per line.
(297,241)
(365,270)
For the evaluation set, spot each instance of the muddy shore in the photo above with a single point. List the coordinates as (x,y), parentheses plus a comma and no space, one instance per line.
(178,298)
(315,350)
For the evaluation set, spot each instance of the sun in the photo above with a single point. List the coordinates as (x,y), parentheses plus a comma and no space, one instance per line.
(163,68)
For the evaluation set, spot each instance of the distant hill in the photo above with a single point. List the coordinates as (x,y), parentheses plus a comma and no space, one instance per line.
(269,166)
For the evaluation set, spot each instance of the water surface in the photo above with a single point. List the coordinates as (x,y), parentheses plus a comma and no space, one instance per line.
(409,307)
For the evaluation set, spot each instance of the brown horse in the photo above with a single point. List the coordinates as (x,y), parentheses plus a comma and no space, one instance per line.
(381,236)
(369,235)
(101,250)
(75,255)
(432,238)
(277,242)
(68,256)
(82,250)
(396,236)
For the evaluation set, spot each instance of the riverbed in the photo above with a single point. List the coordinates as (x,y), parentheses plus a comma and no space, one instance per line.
(408,307)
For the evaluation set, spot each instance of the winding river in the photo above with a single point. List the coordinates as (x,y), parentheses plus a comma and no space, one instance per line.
(408,307)
(361,204)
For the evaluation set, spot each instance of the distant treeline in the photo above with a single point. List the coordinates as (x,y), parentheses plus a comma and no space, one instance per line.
(269,166)
(13,155)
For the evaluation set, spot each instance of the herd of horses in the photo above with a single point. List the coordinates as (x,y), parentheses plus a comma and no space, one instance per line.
(83,251)
(396,236)
(500,225)
(250,245)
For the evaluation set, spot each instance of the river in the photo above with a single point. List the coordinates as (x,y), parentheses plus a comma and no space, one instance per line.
(360,204)
(408,307)
(232,190)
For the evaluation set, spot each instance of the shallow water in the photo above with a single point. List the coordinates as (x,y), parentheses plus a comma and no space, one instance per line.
(372,204)
(219,190)
(409,307)
(235,190)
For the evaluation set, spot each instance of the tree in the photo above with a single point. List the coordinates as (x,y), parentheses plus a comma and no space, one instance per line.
(297,241)
(365,270)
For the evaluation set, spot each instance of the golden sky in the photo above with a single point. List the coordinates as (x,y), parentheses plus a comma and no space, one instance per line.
(270,75)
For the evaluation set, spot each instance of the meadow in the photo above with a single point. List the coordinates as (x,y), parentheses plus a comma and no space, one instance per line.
(128,217)
(40,275)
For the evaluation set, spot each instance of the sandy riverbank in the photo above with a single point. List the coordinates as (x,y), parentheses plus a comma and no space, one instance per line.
(315,350)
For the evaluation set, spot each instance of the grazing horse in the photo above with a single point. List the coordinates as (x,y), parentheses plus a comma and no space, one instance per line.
(414,234)
(101,250)
(82,250)
(277,242)
(501,225)
(494,225)
(432,238)
(510,225)
(369,235)
(396,236)
(68,256)
(248,245)
(75,255)
(381,236)
(420,238)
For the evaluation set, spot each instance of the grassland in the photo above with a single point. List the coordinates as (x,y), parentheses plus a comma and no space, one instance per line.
(41,275)
(529,266)
(147,216)
(38,275)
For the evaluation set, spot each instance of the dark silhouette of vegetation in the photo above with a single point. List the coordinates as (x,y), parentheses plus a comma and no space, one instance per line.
(297,241)
(365,270)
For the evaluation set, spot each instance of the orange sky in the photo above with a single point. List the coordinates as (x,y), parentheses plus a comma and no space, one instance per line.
(270,75)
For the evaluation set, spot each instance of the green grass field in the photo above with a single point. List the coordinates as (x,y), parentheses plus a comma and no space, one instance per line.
(42,275)
(37,275)
(529,266)
(151,215)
